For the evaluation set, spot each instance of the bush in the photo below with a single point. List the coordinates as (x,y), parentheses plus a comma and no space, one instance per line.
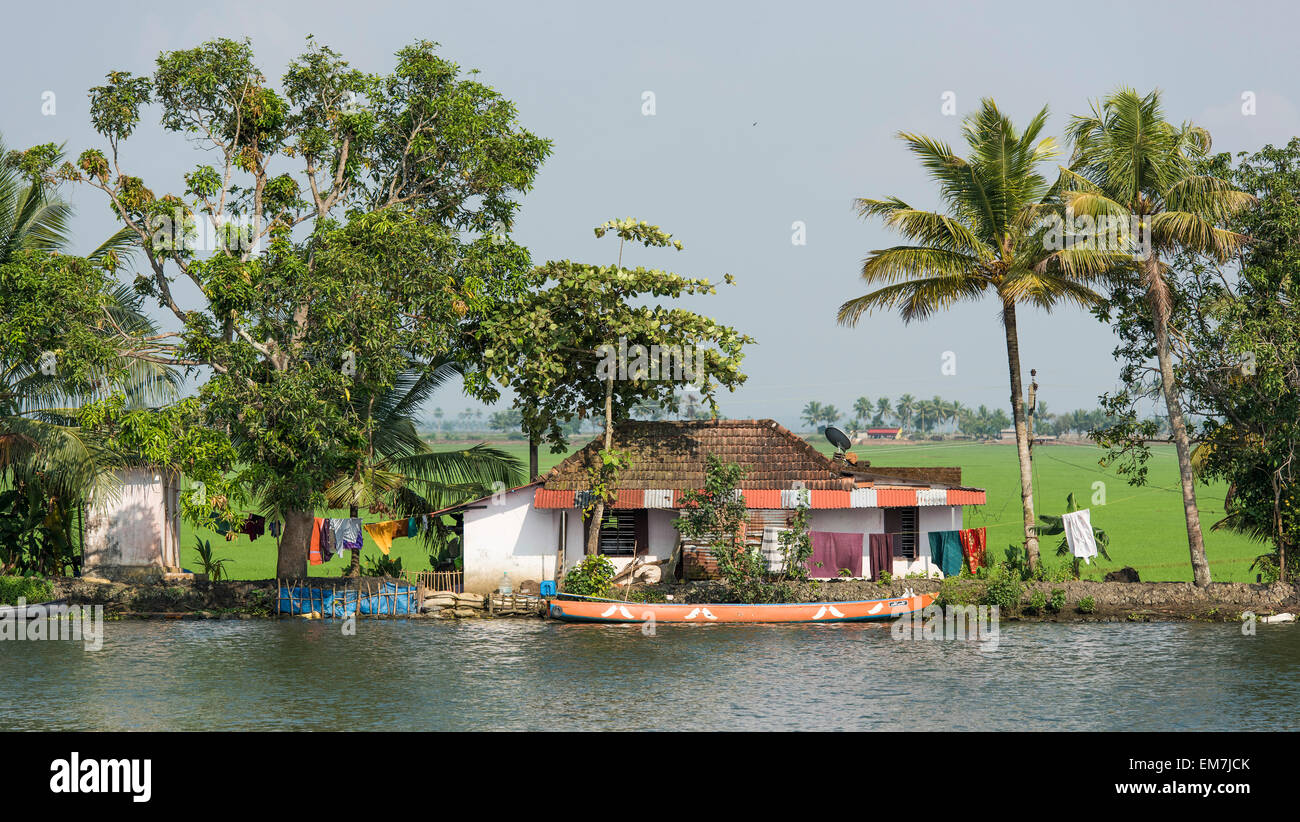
(1087,605)
(952,591)
(1037,602)
(1003,590)
(32,589)
(590,578)
(1058,600)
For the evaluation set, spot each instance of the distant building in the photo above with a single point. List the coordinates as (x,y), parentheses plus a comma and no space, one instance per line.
(884,433)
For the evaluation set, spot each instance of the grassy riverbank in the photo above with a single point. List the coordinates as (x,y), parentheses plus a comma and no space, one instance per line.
(1145,524)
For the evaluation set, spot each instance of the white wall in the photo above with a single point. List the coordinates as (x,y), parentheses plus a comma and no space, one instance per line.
(663,538)
(929,518)
(136,529)
(509,536)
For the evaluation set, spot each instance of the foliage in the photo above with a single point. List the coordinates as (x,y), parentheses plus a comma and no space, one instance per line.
(1058,600)
(1054,524)
(1087,605)
(386,233)
(381,565)
(591,577)
(31,589)
(1037,603)
(796,547)
(1003,589)
(213,567)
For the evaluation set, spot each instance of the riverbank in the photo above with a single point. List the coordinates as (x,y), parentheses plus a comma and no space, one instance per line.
(1078,601)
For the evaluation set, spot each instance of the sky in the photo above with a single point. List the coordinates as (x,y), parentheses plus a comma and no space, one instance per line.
(766,117)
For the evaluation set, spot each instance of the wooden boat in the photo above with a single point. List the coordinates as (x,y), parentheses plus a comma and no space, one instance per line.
(604,610)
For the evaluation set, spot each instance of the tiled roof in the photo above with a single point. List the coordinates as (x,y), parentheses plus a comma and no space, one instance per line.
(671,455)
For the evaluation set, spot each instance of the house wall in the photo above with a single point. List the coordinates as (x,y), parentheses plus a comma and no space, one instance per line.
(514,537)
(509,536)
(136,529)
(929,518)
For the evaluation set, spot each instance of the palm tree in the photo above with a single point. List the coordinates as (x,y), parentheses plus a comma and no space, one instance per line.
(882,410)
(399,473)
(905,408)
(812,413)
(990,238)
(1130,164)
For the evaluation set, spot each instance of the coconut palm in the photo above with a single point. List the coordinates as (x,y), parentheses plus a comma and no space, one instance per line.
(905,409)
(1130,164)
(991,238)
(882,411)
(399,473)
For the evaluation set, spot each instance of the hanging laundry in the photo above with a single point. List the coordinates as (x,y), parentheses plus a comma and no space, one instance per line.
(772,549)
(384,532)
(313,547)
(945,551)
(1079,536)
(327,549)
(881,559)
(832,552)
(254,526)
(974,544)
(275,529)
(347,534)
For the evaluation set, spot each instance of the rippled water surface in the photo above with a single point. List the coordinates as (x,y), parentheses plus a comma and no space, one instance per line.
(517,675)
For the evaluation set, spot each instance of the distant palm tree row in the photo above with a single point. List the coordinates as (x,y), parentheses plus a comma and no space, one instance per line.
(937,415)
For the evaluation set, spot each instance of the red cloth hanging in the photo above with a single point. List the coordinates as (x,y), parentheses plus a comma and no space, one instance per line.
(313,547)
(974,544)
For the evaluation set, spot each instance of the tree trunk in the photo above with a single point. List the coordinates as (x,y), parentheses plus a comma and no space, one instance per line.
(1195,541)
(291,561)
(1022,433)
(355,569)
(598,513)
(532,457)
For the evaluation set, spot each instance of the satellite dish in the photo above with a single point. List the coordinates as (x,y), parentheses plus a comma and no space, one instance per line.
(838,438)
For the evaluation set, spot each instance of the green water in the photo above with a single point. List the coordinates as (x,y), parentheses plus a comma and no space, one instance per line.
(520,675)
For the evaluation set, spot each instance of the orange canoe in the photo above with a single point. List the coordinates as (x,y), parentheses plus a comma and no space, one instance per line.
(713,613)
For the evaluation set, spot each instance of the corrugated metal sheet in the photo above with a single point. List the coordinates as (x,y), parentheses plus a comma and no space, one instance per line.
(932,496)
(630,498)
(895,497)
(830,499)
(862,498)
(963,496)
(762,498)
(552,499)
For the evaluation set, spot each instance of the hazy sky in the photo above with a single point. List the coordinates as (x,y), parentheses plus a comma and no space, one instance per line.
(765,114)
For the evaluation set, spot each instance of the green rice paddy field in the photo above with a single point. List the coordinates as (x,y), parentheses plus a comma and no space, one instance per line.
(1145,524)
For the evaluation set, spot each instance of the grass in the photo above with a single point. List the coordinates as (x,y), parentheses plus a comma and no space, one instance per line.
(1145,524)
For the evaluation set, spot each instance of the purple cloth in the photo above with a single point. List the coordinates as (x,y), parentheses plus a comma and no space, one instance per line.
(834,551)
(882,554)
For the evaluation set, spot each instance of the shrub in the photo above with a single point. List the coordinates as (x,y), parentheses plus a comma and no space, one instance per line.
(1037,602)
(32,589)
(953,592)
(1003,590)
(381,566)
(1058,600)
(1087,605)
(886,578)
(590,578)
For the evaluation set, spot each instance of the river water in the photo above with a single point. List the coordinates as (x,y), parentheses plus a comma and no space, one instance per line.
(525,674)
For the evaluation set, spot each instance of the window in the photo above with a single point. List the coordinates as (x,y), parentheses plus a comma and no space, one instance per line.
(623,533)
(901,522)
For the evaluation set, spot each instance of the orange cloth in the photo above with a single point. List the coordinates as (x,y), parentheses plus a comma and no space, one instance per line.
(383,532)
(313,547)
(974,543)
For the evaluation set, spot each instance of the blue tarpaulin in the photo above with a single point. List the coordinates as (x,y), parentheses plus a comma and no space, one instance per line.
(390,599)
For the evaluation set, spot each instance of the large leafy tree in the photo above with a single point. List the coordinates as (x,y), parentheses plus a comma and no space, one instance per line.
(388,233)
(397,472)
(585,343)
(991,238)
(1130,164)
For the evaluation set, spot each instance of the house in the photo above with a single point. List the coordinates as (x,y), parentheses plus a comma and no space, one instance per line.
(134,531)
(884,433)
(537,530)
